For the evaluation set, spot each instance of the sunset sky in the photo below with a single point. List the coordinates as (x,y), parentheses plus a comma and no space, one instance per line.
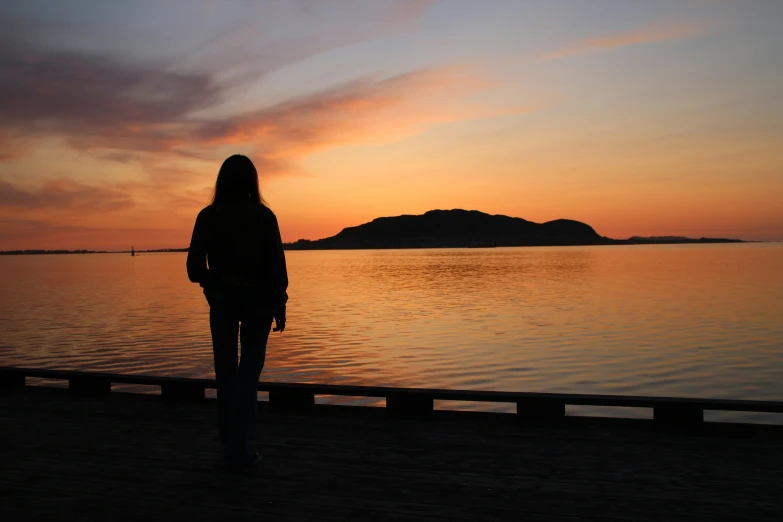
(637,117)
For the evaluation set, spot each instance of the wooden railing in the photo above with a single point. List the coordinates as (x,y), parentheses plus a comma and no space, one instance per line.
(408,402)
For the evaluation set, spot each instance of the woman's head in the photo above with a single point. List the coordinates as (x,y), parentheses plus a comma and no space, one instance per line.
(237,182)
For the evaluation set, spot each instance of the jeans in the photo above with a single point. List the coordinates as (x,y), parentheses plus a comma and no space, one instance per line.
(237,384)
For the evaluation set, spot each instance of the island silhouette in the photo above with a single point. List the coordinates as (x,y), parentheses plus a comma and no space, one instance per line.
(455,228)
(471,228)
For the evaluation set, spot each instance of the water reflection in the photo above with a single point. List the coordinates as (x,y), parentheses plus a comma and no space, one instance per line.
(687,321)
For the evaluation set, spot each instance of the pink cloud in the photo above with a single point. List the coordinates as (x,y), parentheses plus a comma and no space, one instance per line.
(361,111)
(659,33)
(122,112)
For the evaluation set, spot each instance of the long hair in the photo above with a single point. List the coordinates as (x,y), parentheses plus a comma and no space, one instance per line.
(237,183)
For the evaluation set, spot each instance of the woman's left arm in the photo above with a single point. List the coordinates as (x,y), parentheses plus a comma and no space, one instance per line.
(279,270)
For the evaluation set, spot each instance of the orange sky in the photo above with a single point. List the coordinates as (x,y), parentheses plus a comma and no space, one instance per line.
(637,119)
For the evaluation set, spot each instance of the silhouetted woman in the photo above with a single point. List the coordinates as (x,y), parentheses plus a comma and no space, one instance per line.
(236,255)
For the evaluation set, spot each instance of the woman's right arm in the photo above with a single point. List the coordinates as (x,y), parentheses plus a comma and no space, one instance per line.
(197,252)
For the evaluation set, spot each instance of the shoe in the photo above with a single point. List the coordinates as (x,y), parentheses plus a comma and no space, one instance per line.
(256,460)
(245,463)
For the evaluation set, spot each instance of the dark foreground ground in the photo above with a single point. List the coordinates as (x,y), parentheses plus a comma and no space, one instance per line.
(132,457)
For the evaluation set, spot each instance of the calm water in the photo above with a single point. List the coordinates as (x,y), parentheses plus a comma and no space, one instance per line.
(700,320)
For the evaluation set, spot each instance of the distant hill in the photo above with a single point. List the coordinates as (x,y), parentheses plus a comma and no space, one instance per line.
(471,228)
(456,228)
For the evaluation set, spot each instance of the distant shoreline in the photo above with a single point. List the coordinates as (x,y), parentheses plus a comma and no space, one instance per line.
(294,246)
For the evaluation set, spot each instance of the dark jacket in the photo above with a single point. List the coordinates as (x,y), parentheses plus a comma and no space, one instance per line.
(236,255)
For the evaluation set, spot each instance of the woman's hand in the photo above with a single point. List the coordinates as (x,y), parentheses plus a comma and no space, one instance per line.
(279,315)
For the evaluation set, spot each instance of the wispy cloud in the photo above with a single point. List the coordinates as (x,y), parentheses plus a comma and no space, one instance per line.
(122,110)
(656,33)
(23,233)
(243,53)
(110,100)
(62,193)
(360,111)
(96,99)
